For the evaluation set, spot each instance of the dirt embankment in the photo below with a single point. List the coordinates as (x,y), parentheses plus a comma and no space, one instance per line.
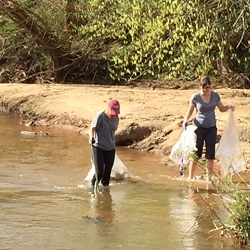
(151,117)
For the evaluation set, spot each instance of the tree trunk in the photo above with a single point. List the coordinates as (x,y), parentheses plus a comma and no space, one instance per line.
(41,34)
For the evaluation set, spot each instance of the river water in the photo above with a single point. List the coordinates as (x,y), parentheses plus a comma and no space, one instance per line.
(45,203)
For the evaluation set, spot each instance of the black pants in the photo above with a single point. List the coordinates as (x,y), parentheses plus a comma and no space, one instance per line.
(103,161)
(207,135)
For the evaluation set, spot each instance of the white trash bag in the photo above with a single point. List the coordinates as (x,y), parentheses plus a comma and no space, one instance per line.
(228,151)
(119,171)
(180,152)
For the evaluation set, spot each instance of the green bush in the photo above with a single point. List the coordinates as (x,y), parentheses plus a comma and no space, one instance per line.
(239,217)
(168,38)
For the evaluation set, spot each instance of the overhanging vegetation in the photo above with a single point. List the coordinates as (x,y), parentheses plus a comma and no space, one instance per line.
(114,41)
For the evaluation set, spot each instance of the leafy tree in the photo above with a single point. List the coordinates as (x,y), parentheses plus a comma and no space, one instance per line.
(123,41)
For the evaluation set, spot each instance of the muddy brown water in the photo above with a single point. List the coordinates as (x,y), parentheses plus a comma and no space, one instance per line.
(45,203)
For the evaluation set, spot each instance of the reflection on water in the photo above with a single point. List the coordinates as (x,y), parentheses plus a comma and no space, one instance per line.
(103,206)
(45,205)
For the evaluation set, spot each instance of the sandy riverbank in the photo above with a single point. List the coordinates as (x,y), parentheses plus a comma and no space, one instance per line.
(153,115)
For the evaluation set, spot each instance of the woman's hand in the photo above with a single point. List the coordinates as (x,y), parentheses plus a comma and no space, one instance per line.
(91,140)
(230,106)
(184,124)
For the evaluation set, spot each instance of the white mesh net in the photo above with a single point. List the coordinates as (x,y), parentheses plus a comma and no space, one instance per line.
(119,171)
(229,151)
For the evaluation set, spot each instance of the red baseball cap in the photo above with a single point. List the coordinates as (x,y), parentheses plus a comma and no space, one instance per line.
(114,107)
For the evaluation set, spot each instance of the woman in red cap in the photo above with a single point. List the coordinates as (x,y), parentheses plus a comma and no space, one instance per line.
(102,140)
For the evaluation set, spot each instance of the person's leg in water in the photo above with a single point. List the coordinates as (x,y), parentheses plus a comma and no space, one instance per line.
(210,140)
(199,145)
(98,160)
(109,158)
(192,168)
(210,167)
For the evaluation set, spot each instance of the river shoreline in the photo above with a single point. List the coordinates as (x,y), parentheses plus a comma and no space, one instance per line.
(150,119)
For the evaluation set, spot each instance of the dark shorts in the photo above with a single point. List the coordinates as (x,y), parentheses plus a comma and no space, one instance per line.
(207,135)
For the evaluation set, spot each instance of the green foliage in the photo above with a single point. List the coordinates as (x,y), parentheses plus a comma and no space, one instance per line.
(167,38)
(153,39)
(237,223)
(54,14)
(19,53)
(28,3)
(239,218)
